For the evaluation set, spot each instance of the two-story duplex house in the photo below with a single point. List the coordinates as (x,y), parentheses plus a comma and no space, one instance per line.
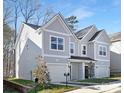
(84,54)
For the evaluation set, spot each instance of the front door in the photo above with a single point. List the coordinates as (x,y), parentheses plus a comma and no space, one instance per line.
(86,72)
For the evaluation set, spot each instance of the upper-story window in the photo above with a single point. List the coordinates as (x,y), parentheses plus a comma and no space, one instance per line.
(57,43)
(102,50)
(72,46)
(84,50)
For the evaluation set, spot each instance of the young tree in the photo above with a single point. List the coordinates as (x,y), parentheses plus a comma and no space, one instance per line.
(41,72)
(72,20)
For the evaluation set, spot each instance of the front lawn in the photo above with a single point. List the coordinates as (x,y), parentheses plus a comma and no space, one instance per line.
(24,82)
(52,88)
(100,80)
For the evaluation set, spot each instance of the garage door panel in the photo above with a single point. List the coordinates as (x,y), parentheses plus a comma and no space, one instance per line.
(57,72)
(102,71)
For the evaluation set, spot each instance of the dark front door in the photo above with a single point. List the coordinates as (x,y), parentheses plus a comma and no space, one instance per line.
(86,72)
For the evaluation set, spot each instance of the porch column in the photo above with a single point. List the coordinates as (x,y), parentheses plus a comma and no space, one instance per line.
(83,70)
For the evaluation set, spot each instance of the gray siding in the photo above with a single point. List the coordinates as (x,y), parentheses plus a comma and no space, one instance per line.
(89,35)
(107,57)
(46,44)
(27,61)
(72,39)
(55,60)
(90,51)
(57,26)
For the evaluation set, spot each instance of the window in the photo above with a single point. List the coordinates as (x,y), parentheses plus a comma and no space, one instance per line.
(84,50)
(72,48)
(102,50)
(57,43)
(53,43)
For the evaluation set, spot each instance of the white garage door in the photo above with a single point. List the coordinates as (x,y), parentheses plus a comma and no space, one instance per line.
(102,71)
(57,72)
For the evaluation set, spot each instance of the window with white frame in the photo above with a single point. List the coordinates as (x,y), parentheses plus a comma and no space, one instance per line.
(72,46)
(57,43)
(84,50)
(102,50)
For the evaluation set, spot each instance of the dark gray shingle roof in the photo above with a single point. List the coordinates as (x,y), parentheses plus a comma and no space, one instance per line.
(81,58)
(115,37)
(95,35)
(81,33)
(33,26)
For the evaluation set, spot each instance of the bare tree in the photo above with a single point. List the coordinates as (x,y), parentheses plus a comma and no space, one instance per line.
(7,14)
(8,41)
(28,9)
(49,13)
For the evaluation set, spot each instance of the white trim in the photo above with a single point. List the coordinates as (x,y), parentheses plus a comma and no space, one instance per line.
(102,43)
(94,50)
(80,61)
(56,63)
(81,49)
(70,48)
(19,35)
(50,21)
(98,36)
(102,49)
(47,30)
(51,55)
(66,25)
(101,60)
(60,17)
(42,37)
(57,43)
(87,33)
(96,39)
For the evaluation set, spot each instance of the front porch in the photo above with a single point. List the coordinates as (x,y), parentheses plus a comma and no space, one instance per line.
(81,68)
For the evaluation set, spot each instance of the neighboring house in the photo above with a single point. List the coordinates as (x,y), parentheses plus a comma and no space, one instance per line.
(84,54)
(115,54)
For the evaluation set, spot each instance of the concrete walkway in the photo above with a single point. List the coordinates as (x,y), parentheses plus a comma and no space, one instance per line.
(105,88)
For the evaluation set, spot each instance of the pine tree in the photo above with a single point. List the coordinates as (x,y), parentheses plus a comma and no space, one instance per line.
(72,20)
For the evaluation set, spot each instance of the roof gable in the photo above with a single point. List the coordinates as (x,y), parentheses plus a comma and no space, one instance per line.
(95,35)
(81,33)
(116,37)
(62,22)
(33,26)
(102,37)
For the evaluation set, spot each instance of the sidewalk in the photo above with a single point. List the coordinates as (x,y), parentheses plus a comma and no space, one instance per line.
(98,88)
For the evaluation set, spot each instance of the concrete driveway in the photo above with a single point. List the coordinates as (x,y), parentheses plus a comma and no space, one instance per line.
(114,87)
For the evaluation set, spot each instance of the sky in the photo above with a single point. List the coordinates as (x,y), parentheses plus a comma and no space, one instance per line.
(105,14)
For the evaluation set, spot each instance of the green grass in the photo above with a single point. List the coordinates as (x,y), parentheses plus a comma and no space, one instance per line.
(99,80)
(23,82)
(53,89)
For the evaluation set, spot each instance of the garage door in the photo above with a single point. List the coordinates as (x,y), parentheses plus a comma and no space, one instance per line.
(57,72)
(102,71)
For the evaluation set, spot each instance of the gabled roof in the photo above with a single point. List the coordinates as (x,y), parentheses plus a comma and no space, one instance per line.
(81,58)
(95,35)
(81,33)
(33,26)
(115,37)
